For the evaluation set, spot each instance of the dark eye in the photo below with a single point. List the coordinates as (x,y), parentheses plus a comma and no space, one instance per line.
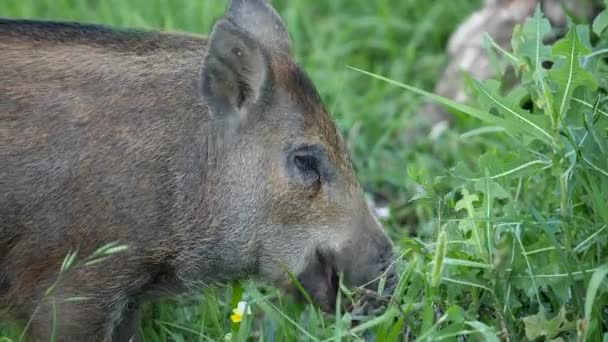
(308,165)
(306,162)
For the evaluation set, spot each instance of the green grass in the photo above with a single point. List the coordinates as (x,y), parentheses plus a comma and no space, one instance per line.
(503,234)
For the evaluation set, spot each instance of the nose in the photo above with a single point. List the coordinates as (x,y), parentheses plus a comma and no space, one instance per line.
(385,250)
(365,258)
(385,261)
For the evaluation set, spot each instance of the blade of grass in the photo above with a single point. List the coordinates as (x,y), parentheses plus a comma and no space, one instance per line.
(445,101)
(594,284)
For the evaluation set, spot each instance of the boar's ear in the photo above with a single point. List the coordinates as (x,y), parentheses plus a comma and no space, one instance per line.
(260,20)
(235,70)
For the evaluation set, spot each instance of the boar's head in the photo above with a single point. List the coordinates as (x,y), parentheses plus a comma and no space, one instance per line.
(285,195)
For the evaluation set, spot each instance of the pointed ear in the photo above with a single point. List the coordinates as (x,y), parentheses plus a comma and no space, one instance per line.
(235,70)
(259,19)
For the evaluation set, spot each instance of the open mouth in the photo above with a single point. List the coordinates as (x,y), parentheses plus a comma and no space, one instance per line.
(321,282)
(332,279)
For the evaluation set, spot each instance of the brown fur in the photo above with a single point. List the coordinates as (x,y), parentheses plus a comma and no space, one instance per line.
(111,136)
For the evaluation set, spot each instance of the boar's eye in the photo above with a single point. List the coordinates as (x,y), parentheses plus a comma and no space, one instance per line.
(306,163)
(309,166)
(306,167)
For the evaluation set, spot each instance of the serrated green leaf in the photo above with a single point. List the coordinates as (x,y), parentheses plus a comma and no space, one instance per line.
(516,120)
(540,326)
(488,333)
(504,164)
(528,46)
(528,43)
(495,190)
(467,201)
(568,75)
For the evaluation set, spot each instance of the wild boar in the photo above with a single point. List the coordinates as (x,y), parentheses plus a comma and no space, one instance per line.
(211,159)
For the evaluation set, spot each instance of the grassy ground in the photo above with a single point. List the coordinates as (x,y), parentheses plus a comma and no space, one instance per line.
(500,232)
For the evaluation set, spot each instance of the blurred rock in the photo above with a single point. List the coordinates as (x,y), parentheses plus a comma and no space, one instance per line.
(498,18)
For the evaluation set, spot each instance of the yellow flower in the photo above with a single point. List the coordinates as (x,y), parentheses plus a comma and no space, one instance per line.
(239,312)
(236,318)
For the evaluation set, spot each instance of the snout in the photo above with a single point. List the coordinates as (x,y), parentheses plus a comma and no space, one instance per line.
(362,260)
(365,261)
